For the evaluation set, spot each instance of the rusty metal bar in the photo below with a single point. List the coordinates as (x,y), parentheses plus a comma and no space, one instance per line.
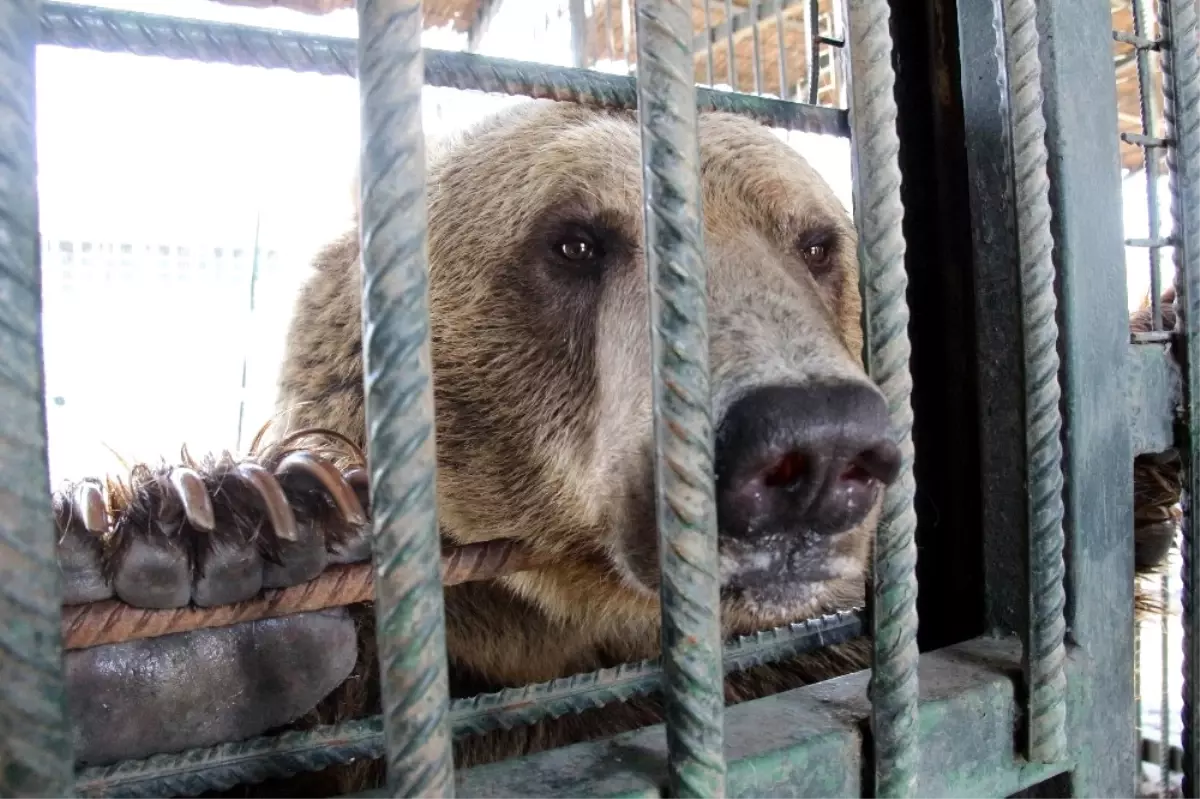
(1045,628)
(399,403)
(879,213)
(1181,83)
(36,744)
(683,447)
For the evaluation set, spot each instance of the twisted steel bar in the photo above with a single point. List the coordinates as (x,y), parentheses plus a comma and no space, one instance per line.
(34,736)
(530,704)
(410,622)
(1044,648)
(683,441)
(1181,84)
(220,767)
(879,213)
(117,31)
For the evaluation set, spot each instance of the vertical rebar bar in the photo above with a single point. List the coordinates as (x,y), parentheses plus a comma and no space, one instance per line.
(755,46)
(879,213)
(1181,85)
(608,29)
(784,94)
(1141,29)
(708,43)
(729,51)
(683,445)
(626,32)
(1164,731)
(1045,631)
(812,48)
(399,398)
(36,745)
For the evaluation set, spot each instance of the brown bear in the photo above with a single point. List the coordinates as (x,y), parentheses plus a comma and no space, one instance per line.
(542,381)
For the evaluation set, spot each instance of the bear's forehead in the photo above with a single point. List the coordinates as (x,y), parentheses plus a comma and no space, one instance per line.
(548,154)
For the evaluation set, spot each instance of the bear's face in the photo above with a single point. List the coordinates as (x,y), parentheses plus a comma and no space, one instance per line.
(542,366)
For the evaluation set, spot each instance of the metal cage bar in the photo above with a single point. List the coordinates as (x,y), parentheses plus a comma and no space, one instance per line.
(116,31)
(879,211)
(1045,627)
(410,629)
(1181,83)
(37,757)
(1142,33)
(683,439)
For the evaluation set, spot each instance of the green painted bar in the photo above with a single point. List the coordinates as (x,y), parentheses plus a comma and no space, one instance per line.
(810,742)
(684,480)
(410,620)
(35,743)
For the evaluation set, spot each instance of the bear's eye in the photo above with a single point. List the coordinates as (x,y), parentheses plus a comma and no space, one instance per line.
(576,249)
(817,251)
(577,246)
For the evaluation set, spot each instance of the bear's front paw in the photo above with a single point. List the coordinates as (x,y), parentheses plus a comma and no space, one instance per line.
(210,534)
(205,687)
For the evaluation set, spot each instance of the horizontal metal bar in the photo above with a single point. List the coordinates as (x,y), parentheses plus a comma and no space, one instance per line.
(1153,337)
(226,765)
(114,31)
(1151,753)
(1144,141)
(1138,42)
(1159,242)
(219,768)
(809,742)
(1155,390)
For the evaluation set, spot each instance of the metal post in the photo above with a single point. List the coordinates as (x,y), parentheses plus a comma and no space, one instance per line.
(399,399)
(684,478)
(36,758)
(1045,628)
(879,213)
(1080,107)
(1181,83)
(579,33)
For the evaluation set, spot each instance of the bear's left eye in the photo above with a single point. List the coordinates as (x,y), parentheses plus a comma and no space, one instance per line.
(577,246)
(576,249)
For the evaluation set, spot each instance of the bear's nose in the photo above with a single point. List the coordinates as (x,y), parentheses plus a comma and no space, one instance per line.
(802,459)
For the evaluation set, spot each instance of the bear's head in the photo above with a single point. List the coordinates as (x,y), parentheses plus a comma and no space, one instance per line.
(542,367)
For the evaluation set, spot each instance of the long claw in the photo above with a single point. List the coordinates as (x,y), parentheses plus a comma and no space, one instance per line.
(274,501)
(89,499)
(330,479)
(197,504)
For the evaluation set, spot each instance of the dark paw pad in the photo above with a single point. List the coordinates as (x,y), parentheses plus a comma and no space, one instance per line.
(205,687)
